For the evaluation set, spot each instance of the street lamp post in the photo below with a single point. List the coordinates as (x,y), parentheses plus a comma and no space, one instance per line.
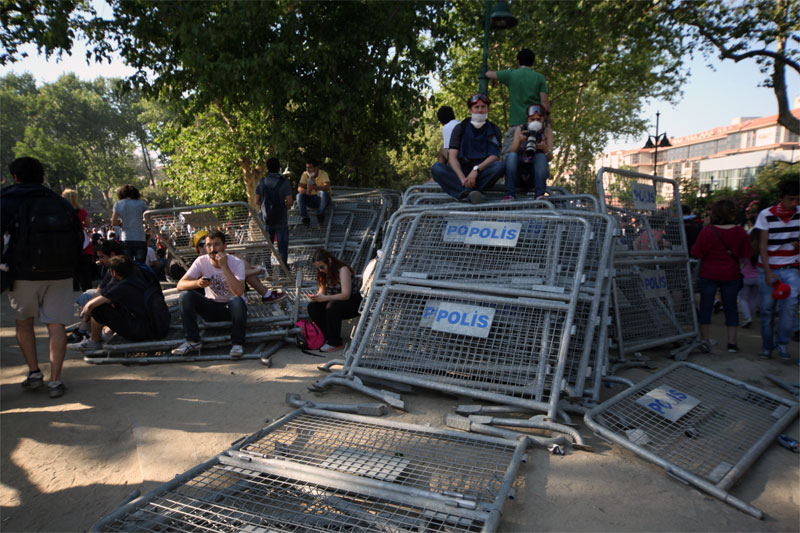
(656,141)
(498,19)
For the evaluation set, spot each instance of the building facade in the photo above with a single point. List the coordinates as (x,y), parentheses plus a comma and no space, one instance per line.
(723,157)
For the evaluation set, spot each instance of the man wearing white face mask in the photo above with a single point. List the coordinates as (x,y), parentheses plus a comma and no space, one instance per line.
(530,151)
(314,191)
(473,157)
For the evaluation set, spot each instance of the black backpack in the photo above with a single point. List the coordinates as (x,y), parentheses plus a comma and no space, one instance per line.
(47,237)
(158,313)
(273,205)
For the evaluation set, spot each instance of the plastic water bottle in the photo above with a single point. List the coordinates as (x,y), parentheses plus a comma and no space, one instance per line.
(789,443)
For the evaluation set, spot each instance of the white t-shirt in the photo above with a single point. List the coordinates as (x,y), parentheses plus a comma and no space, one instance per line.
(219,291)
(447,129)
(151,257)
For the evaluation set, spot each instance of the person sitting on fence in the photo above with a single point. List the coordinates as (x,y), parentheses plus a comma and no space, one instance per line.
(132,307)
(221,275)
(105,251)
(530,152)
(473,157)
(337,298)
(251,273)
(314,190)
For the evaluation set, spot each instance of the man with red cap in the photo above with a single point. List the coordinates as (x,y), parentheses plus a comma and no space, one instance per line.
(778,265)
(474,155)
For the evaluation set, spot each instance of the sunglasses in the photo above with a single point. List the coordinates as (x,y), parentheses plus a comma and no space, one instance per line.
(478,96)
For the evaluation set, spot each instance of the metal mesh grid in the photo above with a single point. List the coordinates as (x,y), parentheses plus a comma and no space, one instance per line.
(625,195)
(435,462)
(518,354)
(242,227)
(548,251)
(224,498)
(708,440)
(654,302)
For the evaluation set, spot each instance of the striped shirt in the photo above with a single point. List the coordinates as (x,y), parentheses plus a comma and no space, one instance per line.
(781,236)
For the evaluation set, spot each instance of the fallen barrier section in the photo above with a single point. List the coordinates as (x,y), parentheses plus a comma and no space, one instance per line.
(314,470)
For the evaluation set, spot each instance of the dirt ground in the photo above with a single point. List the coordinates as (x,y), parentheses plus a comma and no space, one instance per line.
(66,463)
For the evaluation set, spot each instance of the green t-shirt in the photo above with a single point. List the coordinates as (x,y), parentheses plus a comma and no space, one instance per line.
(524,86)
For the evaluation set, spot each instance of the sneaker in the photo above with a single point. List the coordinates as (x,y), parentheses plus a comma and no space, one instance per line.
(476,197)
(56,389)
(746,323)
(273,297)
(733,348)
(508,198)
(34,380)
(187,347)
(237,351)
(765,354)
(328,348)
(85,345)
(306,222)
(77,336)
(783,353)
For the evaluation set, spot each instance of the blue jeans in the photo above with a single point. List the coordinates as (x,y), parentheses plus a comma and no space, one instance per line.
(193,304)
(282,231)
(319,201)
(787,309)
(449,182)
(136,250)
(514,178)
(729,291)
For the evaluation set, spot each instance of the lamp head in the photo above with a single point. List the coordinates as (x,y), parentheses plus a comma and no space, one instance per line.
(501,17)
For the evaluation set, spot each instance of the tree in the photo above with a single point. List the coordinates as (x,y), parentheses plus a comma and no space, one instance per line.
(762,30)
(17,94)
(80,132)
(607,59)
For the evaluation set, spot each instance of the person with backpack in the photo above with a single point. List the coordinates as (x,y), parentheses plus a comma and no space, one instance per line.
(133,307)
(274,196)
(42,242)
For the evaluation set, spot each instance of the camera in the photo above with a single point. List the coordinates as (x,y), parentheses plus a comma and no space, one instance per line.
(534,128)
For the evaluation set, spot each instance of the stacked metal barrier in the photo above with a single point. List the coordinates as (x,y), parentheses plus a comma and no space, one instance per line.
(314,470)
(532,280)
(652,287)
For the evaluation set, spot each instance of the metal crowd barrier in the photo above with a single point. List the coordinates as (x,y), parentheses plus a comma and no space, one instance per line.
(703,428)
(652,288)
(315,470)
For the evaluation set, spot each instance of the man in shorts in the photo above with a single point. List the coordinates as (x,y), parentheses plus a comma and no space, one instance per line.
(33,293)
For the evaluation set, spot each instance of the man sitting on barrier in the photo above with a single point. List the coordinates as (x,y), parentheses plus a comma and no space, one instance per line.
(473,155)
(128,307)
(221,275)
(530,151)
(105,251)
(314,190)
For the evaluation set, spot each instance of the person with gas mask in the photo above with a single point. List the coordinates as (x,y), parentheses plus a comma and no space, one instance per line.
(473,155)
(527,158)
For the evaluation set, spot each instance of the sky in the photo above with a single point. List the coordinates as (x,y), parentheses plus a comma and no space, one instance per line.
(711,98)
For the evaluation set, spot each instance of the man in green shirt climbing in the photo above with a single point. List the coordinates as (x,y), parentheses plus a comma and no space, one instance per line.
(525,87)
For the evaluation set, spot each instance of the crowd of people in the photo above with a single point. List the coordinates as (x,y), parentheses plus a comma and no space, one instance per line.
(51,248)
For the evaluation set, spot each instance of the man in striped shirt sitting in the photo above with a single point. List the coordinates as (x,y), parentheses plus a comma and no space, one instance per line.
(779,261)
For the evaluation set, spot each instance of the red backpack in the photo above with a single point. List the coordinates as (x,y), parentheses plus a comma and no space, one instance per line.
(310,338)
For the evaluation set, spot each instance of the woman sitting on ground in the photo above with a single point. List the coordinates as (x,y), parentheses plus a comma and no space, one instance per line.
(337,298)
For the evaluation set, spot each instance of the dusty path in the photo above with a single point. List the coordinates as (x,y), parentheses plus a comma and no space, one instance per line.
(65,463)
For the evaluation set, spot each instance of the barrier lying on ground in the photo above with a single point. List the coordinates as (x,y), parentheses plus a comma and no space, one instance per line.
(703,428)
(313,470)
(652,288)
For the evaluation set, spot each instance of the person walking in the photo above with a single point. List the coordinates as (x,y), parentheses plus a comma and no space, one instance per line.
(721,246)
